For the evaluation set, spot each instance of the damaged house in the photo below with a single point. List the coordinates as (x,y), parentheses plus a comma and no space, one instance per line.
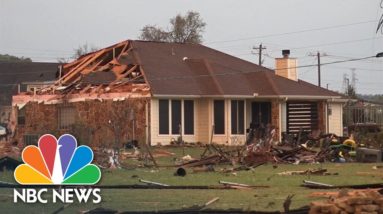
(155,92)
(16,77)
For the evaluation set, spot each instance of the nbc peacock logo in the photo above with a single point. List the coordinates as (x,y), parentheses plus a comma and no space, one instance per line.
(57,162)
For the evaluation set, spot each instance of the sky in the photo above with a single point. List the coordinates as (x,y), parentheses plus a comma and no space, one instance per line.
(46,30)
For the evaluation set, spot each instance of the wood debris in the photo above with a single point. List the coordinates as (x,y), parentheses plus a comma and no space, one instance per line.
(366,201)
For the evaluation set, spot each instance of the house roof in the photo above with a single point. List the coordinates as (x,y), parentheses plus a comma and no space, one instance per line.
(14,73)
(193,69)
(177,69)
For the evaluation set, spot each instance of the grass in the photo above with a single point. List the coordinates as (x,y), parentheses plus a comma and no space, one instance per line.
(266,199)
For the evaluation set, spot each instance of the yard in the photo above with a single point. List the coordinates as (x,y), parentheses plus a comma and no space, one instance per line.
(260,199)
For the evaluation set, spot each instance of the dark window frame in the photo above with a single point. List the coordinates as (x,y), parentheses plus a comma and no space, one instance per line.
(237,117)
(188,125)
(163,117)
(176,117)
(219,123)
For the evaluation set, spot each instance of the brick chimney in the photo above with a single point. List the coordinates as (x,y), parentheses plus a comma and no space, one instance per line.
(286,66)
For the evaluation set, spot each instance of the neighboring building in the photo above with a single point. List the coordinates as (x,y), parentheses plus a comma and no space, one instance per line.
(16,77)
(152,91)
(363,113)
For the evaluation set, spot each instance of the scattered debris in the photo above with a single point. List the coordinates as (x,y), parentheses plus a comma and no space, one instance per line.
(187,158)
(240,186)
(308,172)
(367,201)
(317,185)
(153,183)
(157,153)
(341,193)
(314,184)
(210,202)
(100,210)
(377,167)
(180,172)
(287,203)
(208,168)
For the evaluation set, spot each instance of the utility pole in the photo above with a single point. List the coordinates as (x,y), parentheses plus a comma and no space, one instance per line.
(260,48)
(318,55)
(319,76)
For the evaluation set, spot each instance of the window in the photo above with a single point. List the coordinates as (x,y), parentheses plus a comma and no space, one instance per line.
(21,117)
(31,139)
(171,125)
(176,116)
(67,117)
(164,116)
(237,117)
(219,117)
(189,117)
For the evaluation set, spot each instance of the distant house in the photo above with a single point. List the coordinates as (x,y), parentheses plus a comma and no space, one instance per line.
(16,77)
(155,92)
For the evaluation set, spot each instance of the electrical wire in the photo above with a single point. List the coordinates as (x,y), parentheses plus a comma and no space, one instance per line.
(380,23)
(292,32)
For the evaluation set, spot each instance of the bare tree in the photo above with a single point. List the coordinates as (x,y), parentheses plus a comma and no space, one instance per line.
(154,33)
(83,49)
(183,29)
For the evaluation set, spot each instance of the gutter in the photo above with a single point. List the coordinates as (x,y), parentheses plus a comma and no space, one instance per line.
(303,97)
(200,96)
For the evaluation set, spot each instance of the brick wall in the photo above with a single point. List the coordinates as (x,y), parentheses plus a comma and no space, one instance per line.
(322,116)
(275,117)
(107,123)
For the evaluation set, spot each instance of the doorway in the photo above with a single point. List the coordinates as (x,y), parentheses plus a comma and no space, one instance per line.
(260,113)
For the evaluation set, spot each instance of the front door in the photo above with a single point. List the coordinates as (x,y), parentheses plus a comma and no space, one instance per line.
(260,113)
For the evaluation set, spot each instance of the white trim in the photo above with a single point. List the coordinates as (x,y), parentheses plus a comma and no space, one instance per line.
(244,117)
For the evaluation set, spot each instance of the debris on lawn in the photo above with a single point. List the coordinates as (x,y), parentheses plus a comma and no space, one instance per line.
(314,184)
(341,192)
(208,168)
(308,172)
(239,185)
(366,201)
(377,167)
(153,183)
(157,153)
(100,210)
(287,203)
(180,172)
(317,185)
(210,202)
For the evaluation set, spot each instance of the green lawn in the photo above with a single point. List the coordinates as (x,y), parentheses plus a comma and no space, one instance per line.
(151,200)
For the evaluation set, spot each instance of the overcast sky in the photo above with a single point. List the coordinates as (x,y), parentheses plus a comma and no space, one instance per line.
(45,30)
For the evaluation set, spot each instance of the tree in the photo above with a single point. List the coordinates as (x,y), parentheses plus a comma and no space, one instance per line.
(183,29)
(10,58)
(351,92)
(154,33)
(83,49)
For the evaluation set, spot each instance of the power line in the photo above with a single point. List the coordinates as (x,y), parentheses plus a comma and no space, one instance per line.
(357,68)
(292,32)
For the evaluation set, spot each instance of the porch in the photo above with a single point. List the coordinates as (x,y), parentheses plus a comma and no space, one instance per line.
(225,121)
